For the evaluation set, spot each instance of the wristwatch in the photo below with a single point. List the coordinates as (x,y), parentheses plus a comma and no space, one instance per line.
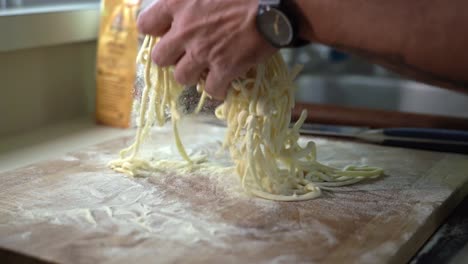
(277,22)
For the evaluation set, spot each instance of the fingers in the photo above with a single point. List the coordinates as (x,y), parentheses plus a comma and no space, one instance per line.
(156,19)
(188,71)
(217,85)
(167,51)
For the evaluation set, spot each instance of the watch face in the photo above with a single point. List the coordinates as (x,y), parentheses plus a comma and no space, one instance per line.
(275,26)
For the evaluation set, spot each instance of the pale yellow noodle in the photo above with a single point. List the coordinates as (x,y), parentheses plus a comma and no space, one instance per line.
(265,150)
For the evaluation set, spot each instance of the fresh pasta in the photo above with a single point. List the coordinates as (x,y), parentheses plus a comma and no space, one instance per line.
(268,155)
(161,92)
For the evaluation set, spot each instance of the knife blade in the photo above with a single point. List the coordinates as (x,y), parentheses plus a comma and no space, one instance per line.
(443,140)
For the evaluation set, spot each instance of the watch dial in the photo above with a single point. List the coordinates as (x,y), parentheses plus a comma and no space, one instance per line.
(276,27)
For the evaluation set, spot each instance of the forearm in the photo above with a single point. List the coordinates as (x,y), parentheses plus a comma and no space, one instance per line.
(424,39)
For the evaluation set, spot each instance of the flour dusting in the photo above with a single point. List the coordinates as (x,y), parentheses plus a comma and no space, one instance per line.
(91,214)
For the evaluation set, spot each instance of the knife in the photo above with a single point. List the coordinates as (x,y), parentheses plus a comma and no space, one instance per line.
(443,140)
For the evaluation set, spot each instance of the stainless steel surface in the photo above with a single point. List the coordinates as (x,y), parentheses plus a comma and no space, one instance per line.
(352,81)
(386,93)
(12,3)
(28,3)
(49,2)
(46,25)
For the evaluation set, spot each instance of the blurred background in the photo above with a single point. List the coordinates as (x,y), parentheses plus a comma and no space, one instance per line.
(47,68)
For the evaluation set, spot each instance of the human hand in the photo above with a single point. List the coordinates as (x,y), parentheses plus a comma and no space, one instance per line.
(218,38)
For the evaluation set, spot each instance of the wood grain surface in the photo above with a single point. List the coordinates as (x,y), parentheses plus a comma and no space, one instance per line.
(75,210)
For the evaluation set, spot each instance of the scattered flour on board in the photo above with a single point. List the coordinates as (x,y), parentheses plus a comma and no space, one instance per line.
(188,206)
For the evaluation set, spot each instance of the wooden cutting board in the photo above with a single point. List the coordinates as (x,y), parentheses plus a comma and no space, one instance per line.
(76,210)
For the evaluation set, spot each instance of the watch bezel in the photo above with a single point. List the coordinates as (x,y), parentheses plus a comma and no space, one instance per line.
(292,12)
(262,11)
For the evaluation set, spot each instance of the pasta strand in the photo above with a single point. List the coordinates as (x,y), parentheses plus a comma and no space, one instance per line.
(265,150)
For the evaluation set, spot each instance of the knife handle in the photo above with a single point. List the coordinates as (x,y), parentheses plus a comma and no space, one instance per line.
(428,133)
(444,140)
(427,146)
